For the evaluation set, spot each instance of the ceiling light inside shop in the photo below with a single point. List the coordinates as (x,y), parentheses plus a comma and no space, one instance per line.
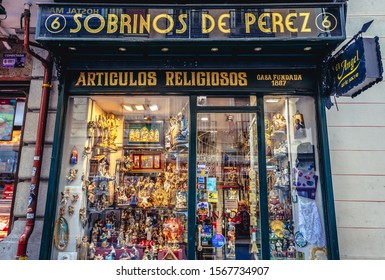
(153,107)
(272,100)
(122,49)
(72,48)
(214,49)
(128,108)
(139,107)
(307,48)
(257,49)
(204,119)
(164,49)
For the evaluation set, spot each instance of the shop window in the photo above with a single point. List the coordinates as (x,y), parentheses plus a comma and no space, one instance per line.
(226,101)
(124,182)
(228,214)
(11,121)
(294,193)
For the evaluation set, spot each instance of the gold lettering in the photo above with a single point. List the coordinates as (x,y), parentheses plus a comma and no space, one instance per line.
(125,21)
(249,20)
(200,79)
(169,78)
(81,80)
(112,23)
(99,78)
(123,79)
(182,21)
(97,30)
(114,79)
(276,20)
(224,79)
(262,24)
(208,17)
(145,23)
(186,80)
(163,31)
(152,80)
(306,17)
(135,24)
(91,79)
(215,79)
(222,24)
(233,79)
(242,79)
(289,23)
(78,24)
(178,79)
(133,81)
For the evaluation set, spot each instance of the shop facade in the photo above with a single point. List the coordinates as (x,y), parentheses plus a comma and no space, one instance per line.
(15,75)
(190,133)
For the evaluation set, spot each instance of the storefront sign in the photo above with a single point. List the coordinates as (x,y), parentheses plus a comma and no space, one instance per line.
(131,23)
(192,80)
(13,60)
(358,67)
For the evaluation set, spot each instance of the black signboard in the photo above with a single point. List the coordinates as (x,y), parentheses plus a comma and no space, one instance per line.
(192,80)
(357,68)
(140,23)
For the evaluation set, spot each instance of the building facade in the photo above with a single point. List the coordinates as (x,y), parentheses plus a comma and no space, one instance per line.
(197,139)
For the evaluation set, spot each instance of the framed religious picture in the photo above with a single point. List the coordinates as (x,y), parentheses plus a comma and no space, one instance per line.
(7,117)
(143,134)
(147,162)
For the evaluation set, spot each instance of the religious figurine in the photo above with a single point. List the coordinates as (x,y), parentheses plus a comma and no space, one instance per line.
(83,247)
(83,216)
(112,254)
(72,174)
(279,123)
(71,210)
(64,196)
(134,254)
(75,198)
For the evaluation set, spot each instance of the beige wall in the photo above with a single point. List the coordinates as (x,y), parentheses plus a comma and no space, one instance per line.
(357,149)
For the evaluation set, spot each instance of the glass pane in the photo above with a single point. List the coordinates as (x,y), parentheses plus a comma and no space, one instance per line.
(226,101)
(294,195)
(227,187)
(124,182)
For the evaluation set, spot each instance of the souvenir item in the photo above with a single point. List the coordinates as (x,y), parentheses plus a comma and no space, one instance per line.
(278,123)
(72,174)
(319,253)
(300,240)
(71,210)
(82,247)
(299,126)
(75,198)
(83,216)
(305,180)
(74,156)
(61,234)
(309,222)
(64,196)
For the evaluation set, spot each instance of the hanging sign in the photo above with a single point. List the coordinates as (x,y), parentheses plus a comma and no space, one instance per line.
(357,68)
(133,23)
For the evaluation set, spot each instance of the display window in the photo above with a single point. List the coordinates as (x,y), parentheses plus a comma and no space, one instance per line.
(126,190)
(296,224)
(11,122)
(124,180)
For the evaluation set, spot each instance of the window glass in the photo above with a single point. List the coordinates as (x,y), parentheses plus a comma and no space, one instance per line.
(294,194)
(123,183)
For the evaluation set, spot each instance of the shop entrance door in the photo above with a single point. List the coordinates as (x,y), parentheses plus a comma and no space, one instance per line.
(227,189)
